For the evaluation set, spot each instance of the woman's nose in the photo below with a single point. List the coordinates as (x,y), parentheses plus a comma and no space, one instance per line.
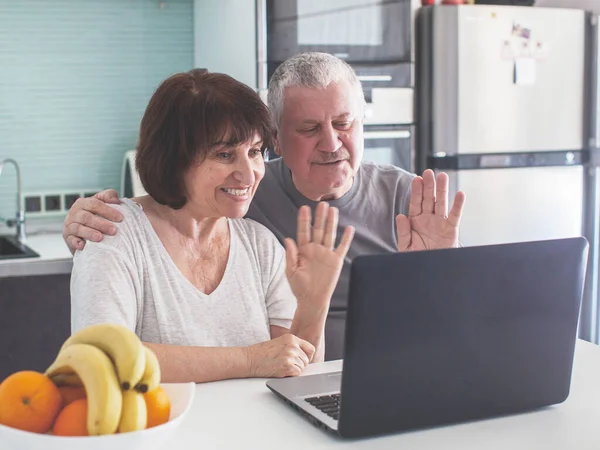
(244,172)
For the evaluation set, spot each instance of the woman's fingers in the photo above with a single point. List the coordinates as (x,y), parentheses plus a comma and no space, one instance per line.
(318,230)
(302,357)
(303,233)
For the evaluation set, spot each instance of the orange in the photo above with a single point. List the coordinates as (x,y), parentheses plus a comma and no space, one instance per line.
(71,393)
(72,420)
(29,401)
(158,406)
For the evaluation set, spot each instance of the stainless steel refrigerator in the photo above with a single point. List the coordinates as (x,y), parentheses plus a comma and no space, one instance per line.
(507,104)
(500,107)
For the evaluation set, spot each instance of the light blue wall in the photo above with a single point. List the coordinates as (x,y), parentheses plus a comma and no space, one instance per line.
(225,38)
(75,78)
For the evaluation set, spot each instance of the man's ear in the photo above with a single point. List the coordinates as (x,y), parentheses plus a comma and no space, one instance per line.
(276,148)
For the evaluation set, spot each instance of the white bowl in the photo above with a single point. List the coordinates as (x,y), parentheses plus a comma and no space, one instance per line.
(181,396)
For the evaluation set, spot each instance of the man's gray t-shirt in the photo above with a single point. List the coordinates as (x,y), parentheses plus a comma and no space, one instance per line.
(378,194)
(130,279)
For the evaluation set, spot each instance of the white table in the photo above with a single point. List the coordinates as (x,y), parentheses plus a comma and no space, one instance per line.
(244,414)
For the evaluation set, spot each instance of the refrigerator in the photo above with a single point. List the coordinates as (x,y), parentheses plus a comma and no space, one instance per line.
(507,105)
(500,114)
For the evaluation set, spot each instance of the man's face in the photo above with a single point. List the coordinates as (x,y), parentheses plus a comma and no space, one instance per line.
(320,138)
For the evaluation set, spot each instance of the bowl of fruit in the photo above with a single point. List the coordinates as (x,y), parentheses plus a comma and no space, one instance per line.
(102,391)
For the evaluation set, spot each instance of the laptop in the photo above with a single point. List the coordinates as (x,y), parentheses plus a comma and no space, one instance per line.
(447,336)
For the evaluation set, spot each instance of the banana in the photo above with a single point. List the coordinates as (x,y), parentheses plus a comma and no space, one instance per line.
(121,344)
(97,373)
(134,414)
(151,378)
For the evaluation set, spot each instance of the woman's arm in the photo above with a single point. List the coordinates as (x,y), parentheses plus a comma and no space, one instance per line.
(313,267)
(180,364)
(282,356)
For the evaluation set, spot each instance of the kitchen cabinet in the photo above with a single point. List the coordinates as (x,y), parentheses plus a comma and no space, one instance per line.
(35,305)
(34,320)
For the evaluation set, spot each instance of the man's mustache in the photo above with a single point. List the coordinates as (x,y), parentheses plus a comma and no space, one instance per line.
(325,158)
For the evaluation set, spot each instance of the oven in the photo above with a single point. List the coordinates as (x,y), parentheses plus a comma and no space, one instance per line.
(358,31)
(390,145)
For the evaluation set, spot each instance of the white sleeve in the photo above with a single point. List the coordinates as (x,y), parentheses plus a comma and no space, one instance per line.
(103,287)
(281,302)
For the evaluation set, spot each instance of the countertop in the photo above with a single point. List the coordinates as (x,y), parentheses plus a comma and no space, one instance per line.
(245,414)
(54,257)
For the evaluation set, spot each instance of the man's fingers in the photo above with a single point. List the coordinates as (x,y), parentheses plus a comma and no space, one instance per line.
(75,243)
(441,195)
(86,219)
(403,232)
(456,210)
(428,192)
(303,232)
(345,241)
(109,196)
(291,255)
(416,197)
(76,230)
(319,225)
(331,227)
(97,207)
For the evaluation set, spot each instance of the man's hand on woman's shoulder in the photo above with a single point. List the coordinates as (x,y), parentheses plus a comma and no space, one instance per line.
(90,218)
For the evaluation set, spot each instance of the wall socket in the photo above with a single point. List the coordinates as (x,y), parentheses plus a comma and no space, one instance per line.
(54,203)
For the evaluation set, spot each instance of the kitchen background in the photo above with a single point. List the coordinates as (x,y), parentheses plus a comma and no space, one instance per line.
(76,76)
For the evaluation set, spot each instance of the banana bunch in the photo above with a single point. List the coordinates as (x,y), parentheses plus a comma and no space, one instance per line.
(115,369)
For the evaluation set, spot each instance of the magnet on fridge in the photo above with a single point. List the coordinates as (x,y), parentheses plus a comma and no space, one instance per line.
(521,31)
(525,50)
(507,52)
(525,71)
(540,51)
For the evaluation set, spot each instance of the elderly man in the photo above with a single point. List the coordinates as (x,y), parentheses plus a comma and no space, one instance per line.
(317,105)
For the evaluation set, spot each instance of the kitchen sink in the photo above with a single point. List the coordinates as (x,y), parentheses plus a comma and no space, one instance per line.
(11,248)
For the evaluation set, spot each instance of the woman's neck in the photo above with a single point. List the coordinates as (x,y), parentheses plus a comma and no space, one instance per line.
(189,225)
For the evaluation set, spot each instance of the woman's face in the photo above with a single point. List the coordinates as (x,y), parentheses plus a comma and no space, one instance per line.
(224,183)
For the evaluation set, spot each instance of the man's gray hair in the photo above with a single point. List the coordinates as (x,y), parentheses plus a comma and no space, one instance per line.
(312,69)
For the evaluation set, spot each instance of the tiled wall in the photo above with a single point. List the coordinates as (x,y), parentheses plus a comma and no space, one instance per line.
(75,78)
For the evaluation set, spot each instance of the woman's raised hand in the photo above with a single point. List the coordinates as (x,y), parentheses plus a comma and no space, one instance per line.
(313,262)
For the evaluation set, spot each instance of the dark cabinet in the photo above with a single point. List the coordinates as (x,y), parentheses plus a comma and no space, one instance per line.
(35,317)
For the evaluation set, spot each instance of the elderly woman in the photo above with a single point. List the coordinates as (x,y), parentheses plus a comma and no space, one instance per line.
(214,295)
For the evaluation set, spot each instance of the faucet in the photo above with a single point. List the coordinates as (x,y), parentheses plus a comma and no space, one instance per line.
(19,222)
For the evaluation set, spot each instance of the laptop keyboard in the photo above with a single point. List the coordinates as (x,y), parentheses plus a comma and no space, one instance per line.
(329,404)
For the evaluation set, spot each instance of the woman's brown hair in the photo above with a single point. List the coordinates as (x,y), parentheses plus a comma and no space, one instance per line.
(188,114)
